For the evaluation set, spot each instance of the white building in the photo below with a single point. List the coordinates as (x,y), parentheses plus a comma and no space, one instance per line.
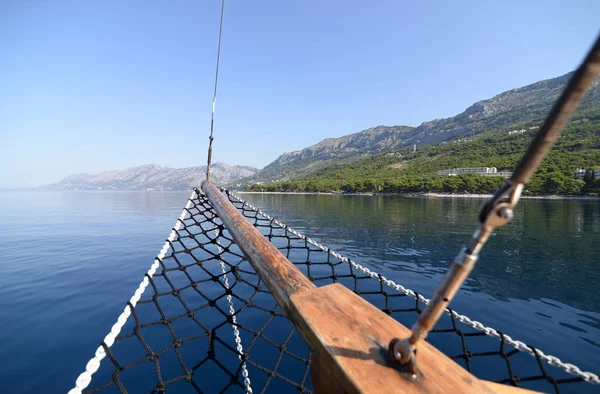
(579,173)
(475,170)
(483,171)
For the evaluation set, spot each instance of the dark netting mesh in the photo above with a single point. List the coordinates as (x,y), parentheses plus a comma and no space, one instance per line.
(180,336)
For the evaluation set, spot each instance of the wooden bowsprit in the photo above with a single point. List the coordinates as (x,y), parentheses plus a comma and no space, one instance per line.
(348,335)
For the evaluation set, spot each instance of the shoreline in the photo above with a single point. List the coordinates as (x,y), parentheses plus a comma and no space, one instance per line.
(536,197)
(411,195)
(432,195)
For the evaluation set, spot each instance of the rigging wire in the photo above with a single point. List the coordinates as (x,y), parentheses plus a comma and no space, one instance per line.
(497,211)
(214,102)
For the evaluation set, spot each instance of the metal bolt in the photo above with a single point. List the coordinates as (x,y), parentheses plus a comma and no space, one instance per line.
(394,350)
(505,213)
(397,355)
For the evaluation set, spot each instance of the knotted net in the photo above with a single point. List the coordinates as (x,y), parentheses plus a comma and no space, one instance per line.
(206,323)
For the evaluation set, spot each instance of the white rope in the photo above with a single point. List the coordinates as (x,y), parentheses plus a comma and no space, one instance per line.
(92,366)
(519,345)
(236,332)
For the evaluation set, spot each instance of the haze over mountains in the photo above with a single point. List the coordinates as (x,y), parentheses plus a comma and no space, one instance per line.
(152,177)
(526,105)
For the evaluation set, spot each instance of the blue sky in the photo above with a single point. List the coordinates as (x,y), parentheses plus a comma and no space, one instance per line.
(88,86)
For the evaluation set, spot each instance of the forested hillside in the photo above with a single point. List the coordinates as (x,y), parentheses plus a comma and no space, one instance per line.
(528,104)
(405,171)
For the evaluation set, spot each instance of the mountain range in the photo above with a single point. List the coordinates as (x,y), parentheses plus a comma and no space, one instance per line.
(525,106)
(153,177)
(528,104)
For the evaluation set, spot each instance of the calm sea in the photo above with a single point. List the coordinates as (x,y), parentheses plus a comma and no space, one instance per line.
(70,261)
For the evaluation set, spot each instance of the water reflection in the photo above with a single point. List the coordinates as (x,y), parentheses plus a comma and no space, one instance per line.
(71,259)
(537,278)
(549,250)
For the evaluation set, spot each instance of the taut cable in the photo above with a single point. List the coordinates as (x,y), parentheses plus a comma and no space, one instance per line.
(497,212)
(214,102)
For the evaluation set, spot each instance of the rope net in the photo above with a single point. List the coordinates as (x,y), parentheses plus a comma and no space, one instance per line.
(207,323)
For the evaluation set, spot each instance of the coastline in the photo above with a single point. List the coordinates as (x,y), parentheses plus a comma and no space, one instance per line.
(412,195)
(432,195)
(536,197)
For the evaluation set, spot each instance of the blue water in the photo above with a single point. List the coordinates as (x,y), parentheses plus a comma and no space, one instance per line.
(70,261)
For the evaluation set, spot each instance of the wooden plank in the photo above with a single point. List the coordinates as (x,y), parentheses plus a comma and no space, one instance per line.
(281,276)
(350,336)
(323,380)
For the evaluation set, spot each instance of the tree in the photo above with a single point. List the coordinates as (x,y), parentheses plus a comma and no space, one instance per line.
(589,176)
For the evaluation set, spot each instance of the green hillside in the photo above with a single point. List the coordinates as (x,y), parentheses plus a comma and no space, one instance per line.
(405,171)
(528,104)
